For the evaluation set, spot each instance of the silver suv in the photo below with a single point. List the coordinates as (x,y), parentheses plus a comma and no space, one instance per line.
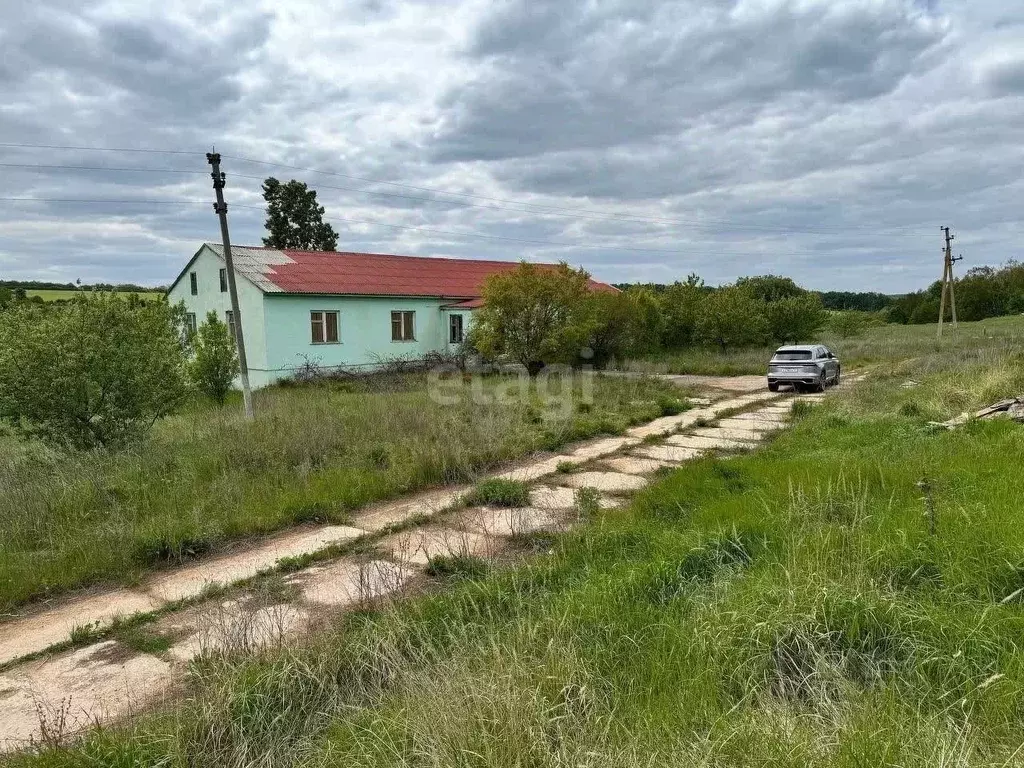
(805,366)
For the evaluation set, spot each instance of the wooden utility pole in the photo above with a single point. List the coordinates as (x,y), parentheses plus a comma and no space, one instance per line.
(213,158)
(947,280)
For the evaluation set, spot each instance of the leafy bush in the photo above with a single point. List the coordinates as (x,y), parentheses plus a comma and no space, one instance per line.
(849,324)
(731,317)
(626,324)
(215,363)
(795,318)
(680,303)
(96,371)
(534,316)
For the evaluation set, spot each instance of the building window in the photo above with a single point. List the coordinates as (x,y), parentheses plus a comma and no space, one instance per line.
(194,282)
(403,326)
(190,324)
(324,327)
(223,280)
(229,318)
(455,329)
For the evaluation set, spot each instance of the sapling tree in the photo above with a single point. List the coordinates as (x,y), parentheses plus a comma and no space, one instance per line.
(214,364)
(535,316)
(97,371)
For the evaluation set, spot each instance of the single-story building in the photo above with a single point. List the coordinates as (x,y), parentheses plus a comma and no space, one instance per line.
(337,310)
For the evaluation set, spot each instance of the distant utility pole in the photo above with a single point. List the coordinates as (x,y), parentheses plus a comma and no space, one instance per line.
(947,279)
(213,158)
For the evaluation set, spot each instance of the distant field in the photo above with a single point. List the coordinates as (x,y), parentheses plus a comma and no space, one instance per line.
(47,295)
(877,344)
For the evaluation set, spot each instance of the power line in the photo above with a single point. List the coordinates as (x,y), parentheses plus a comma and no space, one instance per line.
(593,217)
(542,210)
(15,145)
(110,202)
(430,230)
(624,249)
(524,207)
(540,207)
(32,166)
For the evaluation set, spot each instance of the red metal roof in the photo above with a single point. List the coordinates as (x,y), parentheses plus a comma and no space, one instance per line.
(374,274)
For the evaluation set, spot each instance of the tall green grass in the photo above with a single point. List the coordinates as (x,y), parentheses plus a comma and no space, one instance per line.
(877,344)
(205,476)
(788,607)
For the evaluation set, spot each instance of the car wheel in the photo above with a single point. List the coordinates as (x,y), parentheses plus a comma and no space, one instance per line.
(773,386)
(835,381)
(821,383)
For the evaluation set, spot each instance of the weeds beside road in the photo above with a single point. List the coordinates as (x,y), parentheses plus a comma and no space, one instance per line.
(204,476)
(791,607)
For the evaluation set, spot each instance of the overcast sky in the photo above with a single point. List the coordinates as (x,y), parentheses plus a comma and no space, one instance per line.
(643,139)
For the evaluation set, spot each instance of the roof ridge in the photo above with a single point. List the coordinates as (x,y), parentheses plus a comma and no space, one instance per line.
(389,255)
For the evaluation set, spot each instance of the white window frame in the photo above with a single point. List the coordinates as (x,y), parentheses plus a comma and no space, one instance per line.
(191,324)
(229,320)
(193,283)
(406,323)
(321,322)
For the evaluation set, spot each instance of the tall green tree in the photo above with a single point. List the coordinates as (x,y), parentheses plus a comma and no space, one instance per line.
(295,219)
(93,372)
(731,317)
(680,303)
(795,318)
(535,316)
(214,364)
(770,288)
(626,324)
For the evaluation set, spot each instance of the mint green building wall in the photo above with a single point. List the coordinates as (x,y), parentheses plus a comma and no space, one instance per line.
(364,331)
(207,266)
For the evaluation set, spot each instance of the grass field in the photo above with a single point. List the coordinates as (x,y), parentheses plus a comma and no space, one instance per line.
(205,477)
(57,295)
(875,345)
(810,604)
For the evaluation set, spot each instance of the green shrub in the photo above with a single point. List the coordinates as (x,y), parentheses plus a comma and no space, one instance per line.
(731,317)
(534,316)
(94,372)
(847,325)
(672,406)
(795,319)
(215,361)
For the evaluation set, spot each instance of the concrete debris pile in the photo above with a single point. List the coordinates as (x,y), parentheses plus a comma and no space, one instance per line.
(1012,408)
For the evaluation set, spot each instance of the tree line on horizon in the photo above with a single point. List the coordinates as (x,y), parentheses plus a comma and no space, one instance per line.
(982,292)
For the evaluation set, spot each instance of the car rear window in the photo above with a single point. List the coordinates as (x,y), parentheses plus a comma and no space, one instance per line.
(798,354)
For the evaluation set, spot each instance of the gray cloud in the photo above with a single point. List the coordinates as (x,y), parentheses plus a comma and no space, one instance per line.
(1006,77)
(559,76)
(827,139)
